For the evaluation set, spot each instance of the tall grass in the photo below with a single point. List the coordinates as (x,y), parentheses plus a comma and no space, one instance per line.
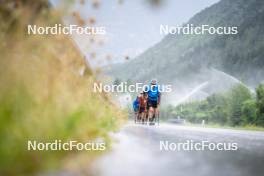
(43,96)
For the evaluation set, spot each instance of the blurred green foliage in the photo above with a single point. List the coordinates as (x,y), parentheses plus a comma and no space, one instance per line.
(43,96)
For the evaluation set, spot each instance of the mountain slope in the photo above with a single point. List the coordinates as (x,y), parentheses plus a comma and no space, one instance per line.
(183,59)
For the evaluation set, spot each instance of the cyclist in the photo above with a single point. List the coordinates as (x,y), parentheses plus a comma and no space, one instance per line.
(154,96)
(136,107)
(143,100)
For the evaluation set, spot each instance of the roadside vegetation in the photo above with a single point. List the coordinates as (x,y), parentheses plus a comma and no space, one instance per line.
(237,107)
(45,94)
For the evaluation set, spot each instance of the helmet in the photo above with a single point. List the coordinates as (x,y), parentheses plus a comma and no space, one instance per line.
(154,81)
(144,93)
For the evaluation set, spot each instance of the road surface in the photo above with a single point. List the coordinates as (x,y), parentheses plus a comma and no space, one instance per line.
(136,152)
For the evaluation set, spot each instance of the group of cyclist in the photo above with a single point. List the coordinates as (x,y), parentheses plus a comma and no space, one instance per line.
(146,104)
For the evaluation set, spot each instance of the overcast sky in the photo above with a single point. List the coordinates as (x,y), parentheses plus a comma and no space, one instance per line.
(133,26)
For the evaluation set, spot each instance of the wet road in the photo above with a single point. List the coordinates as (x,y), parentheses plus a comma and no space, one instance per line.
(136,152)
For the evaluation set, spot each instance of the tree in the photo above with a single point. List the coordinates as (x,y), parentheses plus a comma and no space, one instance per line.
(249,112)
(260,105)
(218,115)
(217,108)
(237,96)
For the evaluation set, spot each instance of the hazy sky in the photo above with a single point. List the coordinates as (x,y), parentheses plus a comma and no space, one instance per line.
(133,26)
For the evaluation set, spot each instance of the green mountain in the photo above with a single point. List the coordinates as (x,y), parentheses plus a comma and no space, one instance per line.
(191,60)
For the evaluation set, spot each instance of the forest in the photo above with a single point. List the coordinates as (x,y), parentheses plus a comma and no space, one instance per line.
(235,107)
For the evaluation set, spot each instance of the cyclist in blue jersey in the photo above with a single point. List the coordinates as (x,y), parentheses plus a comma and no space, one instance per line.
(136,108)
(136,104)
(154,96)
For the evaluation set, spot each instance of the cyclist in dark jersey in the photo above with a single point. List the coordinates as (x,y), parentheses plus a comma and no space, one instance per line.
(153,99)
